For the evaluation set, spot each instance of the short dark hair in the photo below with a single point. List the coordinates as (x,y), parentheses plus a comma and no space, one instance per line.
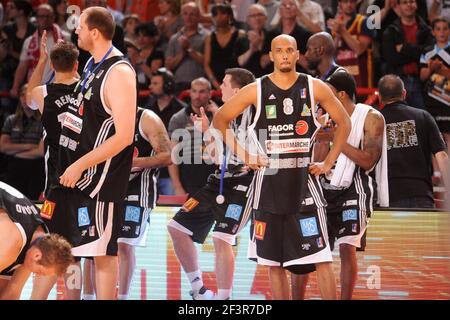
(63,56)
(390,87)
(148,29)
(341,80)
(101,19)
(56,252)
(222,8)
(25,6)
(240,77)
(439,19)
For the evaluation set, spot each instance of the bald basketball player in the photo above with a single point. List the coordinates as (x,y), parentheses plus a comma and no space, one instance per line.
(289,226)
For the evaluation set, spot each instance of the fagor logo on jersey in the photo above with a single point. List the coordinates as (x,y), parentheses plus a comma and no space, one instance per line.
(287,146)
(47,209)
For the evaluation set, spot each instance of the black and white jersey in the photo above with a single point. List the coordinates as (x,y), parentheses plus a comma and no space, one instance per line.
(57,97)
(283,129)
(142,185)
(240,128)
(87,125)
(23,213)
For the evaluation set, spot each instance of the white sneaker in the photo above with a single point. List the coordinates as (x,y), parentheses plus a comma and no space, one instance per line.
(202,294)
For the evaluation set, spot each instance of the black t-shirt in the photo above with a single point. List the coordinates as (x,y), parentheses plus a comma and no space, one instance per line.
(11,29)
(253,64)
(412,137)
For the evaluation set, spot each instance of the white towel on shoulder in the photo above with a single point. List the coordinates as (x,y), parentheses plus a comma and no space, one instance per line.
(345,168)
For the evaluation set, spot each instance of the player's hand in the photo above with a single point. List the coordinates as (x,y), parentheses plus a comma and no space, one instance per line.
(71,176)
(318,168)
(43,55)
(200,123)
(257,161)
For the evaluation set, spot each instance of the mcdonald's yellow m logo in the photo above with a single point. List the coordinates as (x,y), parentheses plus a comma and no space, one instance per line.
(260,229)
(47,209)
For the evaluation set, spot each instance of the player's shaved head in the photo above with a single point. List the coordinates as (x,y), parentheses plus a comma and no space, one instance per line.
(283,40)
(324,40)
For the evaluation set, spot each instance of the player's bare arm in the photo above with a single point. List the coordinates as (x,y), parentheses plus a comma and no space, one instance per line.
(228,112)
(154,129)
(372,144)
(326,98)
(35,96)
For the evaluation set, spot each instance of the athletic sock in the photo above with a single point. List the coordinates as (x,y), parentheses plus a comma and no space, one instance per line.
(223,294)
(195,279)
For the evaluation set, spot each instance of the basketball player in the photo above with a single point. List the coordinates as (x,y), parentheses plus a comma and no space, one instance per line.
(152,151)
(289,209)
(52,101)
(96,148)
(25,245)
(193,222)
(351,205)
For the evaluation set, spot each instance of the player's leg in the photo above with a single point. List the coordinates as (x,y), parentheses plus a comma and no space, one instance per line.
(106,274)
(127,264)
(278,283)
(349,270)
(192,223)
(326,280)
(3,284)
(224,268)
(298,286)
(88,279)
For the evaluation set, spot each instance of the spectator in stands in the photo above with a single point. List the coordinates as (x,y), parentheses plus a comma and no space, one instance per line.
(435,72)
(190,171)
(8,65)
(353,38)
(170,21)
(185,53)
(249,54)
(29,56)
(287,25)
(17,31)
(21,139)
(220,45)
(151,57)
(147,10)
(61,15)
(309,16)
(271,7)
(130,23)
(164,103)
(438,8)
(412,138)
(403,43)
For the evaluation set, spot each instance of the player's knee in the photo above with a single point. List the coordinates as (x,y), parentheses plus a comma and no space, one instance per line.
(125,250)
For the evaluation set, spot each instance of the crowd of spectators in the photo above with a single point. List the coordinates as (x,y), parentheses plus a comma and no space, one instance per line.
(194,42)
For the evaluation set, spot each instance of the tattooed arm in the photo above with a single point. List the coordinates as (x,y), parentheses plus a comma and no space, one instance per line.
(373,142)
(154,129)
